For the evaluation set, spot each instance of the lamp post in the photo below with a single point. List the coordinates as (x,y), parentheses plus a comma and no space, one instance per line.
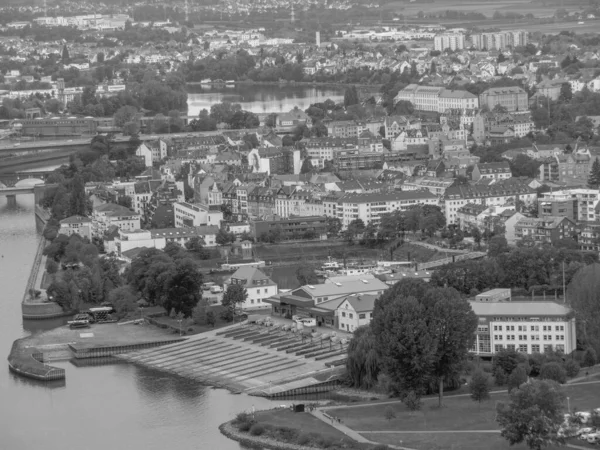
(569,405)
(179,320)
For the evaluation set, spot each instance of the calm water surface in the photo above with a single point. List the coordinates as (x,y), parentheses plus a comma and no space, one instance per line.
(115,407)
(261,98)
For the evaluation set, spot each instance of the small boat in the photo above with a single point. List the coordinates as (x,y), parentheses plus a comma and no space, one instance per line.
(331,265)
(80,321)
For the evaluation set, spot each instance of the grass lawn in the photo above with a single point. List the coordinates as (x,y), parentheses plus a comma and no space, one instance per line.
(449,441)
(278,422)
(459,413)
(304,422)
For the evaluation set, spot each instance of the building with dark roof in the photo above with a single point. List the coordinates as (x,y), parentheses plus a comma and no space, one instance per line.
(513,98)
(258,286)
(492,171)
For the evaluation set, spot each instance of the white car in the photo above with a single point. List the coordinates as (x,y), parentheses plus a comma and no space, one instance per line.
(584,431)
(593,438)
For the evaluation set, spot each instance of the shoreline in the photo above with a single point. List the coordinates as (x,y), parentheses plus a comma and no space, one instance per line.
(286,83)
(228,430)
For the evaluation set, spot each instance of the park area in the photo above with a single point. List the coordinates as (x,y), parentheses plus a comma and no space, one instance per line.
(461,424)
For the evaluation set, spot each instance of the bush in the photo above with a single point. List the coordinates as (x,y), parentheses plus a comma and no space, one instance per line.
(589,358)
(287,434)
(325,442)
(517,377)
(243,421)
(572,368)
(303,439)
(389,413)
(412,401)
(257,429)
(553,371)
(499,376)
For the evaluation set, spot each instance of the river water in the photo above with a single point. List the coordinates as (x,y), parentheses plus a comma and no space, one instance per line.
(115,407)
(261,98)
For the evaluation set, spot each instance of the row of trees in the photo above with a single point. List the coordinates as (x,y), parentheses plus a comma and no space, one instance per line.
(231,114)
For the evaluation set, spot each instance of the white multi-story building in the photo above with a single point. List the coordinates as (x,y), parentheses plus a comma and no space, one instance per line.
(258,286)
(453,41)
(370,207)
(194,215)
(109,214)
(76,225)
(439,99)
(527,327)
(499,193)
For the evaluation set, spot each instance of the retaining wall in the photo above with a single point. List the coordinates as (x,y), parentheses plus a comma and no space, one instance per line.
(99,351)
(29,362)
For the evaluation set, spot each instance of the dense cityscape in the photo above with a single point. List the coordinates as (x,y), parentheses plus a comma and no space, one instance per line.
(382,218)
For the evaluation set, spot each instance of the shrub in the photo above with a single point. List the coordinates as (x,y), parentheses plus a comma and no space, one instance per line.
(287,434)
(325,442)
(479,387)
(257,429)
(589,358)
(572,368)
(499,376)
(412,401)
(553,371)
(243,421)
(389,413)
(517,377)
(303,439)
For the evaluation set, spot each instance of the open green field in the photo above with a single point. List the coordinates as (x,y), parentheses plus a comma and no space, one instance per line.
(486,7)
(460,424)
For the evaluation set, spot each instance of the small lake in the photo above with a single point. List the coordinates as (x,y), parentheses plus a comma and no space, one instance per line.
(261,99)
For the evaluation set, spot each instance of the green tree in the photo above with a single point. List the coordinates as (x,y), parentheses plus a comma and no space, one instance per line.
(356,227)
(350,96)
(533,415)
(453,324)
(594,178)
(583,293)
(497,245)
(566,93)
(124,115)
(307,166)
(479,386)
(363,363)
(77,199)
(199,313)
(553,371)
(123,300)
(234,296)
(517,377)
(65,54)
(589,357)
(224,237)
(305,274)
(211,318)
(182,285)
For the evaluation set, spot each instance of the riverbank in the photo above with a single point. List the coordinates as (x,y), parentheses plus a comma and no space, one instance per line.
(28,355)
(283,429)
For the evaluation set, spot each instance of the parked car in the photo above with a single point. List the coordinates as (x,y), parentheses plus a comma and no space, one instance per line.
(216,289)
(584,431)
(593,438)
(206,286)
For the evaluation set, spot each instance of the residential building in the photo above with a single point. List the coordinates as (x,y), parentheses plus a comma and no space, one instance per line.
(499,40)
(275,160)
(370,207)
(355,311)
(512,98)
(321,301)
(293,118)
(503,192)
(453,41)
(291,228)
(545,230)
(491,171)
(193,215)
(109,214)
(580,205)
(525,326)
(258,286)
(470,216)
(344,128)
(76,225)
(570,168)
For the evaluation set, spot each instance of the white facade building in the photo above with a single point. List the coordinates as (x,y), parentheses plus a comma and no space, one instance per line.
(194,215)
(453,41)
(355,311)
(257,285)
(528,327)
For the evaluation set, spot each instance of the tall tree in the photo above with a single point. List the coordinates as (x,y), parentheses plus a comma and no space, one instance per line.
(533,415)
(234,296)
(77,199)
(182,283)
(363,361)
(594,178)
(583,294)
(452,325)
(479,386)
(65,54)
(350,96)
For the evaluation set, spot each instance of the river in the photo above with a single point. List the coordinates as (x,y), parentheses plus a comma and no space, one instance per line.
(261,98)
(117,406)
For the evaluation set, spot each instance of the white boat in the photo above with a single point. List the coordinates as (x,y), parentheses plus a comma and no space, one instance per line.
(331,265)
